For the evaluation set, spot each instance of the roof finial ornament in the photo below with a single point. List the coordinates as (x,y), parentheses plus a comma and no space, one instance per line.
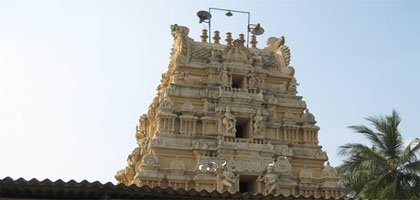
(241,40)
(204,36)
(254,41)
(229,39)
(255,29)
(216,37)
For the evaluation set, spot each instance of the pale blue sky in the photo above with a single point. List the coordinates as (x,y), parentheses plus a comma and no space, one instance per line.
(76,75)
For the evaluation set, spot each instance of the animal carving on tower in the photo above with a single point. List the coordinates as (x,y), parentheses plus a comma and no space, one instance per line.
(282,52)
(181,43)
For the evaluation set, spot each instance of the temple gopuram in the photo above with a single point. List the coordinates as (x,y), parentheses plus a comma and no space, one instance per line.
(227,118)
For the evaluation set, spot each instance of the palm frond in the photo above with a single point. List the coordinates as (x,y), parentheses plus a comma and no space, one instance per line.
(413,167)
(370,134)
(387,170)
(410,152)
(388,134)
(361,156)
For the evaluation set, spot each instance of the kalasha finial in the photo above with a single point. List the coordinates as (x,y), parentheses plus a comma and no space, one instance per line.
(229,39)
(253,41)
(204,36)
(216,37)
(241,39)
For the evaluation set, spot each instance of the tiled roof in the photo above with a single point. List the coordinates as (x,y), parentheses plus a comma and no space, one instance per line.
(47,189)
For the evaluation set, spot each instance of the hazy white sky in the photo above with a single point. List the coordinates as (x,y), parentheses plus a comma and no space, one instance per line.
(76,75)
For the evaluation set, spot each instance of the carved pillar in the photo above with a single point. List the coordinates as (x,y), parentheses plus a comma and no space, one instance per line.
(187,125)
(166,123)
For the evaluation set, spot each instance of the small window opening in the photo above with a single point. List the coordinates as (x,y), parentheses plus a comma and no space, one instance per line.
(238,81)
(242,128)
(248,183)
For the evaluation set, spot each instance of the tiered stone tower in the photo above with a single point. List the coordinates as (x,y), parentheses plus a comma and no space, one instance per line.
(227,118)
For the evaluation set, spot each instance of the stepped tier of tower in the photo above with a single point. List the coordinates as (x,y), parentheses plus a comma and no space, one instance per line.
(227,118)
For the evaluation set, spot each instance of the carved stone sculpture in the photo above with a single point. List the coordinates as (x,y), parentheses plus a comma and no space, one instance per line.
(134,157)
(228,182)
(229,121)
(259,124)
(224,77)
(181,42)
(270,180)
(141,130)
(282,53)
(150,159)
(292,86)
(125,176)
(253,81)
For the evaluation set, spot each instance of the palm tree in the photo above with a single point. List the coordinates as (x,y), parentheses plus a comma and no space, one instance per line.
(387,170)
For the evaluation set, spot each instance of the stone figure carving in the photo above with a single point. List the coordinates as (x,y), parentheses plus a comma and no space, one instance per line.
(120,177)
(308,118)
(199,144)
(125,176)
(150,159)
(292,86)
(259,124)
(252,80)
(282,53)
(144,145)
(134,157)
(271,182)
(224,77)
(141,128)
(228,181)
(230,122)
(237,53)
(166,103)
(178,75)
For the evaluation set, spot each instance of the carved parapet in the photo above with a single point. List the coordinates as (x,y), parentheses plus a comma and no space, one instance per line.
(245,144)
(228,92)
